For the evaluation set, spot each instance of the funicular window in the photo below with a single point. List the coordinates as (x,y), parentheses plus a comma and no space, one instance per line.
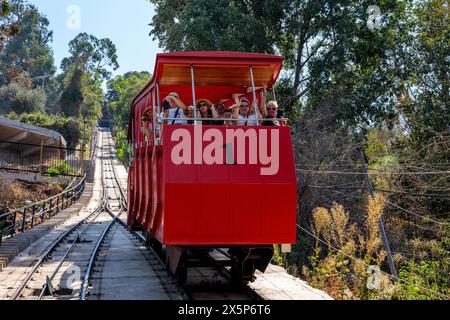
(221,95)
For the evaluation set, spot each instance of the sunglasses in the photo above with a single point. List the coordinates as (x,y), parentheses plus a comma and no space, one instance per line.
(270,109)
(245,106)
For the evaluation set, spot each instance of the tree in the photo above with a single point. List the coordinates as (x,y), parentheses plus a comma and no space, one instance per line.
(7,30)
(71,98)
(424,98)
(20,97)
(92,55)
(29,50)
(216,25)
(121,92)
(84,72)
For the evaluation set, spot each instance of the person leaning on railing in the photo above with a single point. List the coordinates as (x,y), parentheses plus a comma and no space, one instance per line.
(270,113)
(243,116)
(205,110)
(174,108)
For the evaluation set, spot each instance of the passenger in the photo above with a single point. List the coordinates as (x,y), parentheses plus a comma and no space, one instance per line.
(174,109)
(204,111)
(242,115)
(218,113)
(271,112)
(189,113)
(272,115)
(146,121)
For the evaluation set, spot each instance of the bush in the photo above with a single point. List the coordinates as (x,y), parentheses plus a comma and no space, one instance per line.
(16,98)
(61,168)
(123,148)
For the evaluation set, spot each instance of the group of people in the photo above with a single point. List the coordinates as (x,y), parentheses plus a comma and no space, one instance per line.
(176,112)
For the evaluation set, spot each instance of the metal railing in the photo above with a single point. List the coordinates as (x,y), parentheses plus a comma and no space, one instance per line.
(163,119)
(39,159)
(24,219)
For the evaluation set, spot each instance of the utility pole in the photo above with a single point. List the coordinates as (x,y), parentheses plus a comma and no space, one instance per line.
(381,222)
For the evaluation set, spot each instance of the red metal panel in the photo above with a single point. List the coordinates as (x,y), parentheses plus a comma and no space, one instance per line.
(229,204)
(130,191)
(156,224)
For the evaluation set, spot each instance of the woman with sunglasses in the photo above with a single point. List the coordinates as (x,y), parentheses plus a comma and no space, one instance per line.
(205,111)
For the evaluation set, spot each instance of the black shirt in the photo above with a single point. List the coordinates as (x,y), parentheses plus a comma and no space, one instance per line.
(270,122)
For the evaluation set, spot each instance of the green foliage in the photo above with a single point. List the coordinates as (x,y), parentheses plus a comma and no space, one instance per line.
(427,106)
(84,72)
(93,98)
(123,148)
(61,168)
(5,8)
(121,92)
(71,99)
(425,274)
(29,50)
(216,25)
(347,88)
(93,55)
(15,98)
(7,29)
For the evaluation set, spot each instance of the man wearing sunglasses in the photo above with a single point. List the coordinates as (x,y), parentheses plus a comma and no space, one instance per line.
(242,115)
(271,119)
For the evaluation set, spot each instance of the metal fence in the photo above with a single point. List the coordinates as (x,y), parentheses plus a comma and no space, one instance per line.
(40,159)
(24,219)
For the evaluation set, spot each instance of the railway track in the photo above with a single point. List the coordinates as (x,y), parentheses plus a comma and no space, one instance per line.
(77,259)
(97,258)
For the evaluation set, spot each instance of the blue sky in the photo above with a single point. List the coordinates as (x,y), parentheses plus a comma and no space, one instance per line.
(126,23)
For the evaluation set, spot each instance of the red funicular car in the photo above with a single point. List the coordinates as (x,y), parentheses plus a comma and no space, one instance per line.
(198,191)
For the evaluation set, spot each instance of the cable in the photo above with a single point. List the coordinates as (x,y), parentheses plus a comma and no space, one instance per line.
(431,195)
(416,214)
(331,172)
(415,194)
(378,173)
(416,225)
(367,265)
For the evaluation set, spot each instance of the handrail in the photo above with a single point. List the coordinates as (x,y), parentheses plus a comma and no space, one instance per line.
(39,211)
(44,201)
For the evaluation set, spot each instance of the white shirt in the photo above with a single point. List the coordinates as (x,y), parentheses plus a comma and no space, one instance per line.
(251,120)
(173,114)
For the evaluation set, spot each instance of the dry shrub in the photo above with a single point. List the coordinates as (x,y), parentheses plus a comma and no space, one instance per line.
(322,223)
(339,224)
(343,272)
(17,193)
(374,243)
(10,191)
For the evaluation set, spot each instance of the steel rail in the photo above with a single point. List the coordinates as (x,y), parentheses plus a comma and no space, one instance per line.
(101,239)
(92,217)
